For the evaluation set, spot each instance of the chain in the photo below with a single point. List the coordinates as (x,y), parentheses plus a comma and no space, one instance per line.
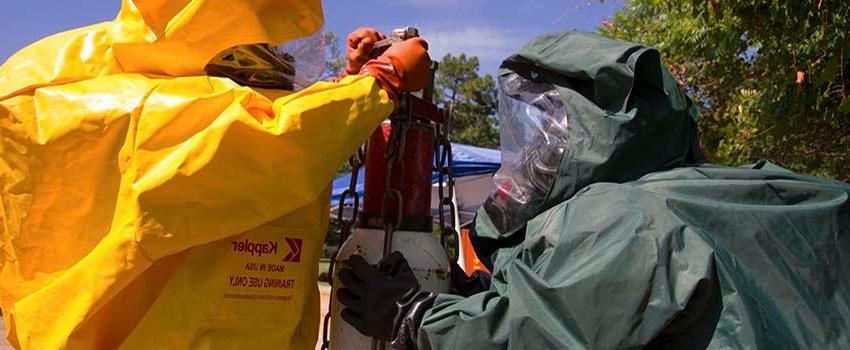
(356,162)
(400,123)
(395,157)
(446,184)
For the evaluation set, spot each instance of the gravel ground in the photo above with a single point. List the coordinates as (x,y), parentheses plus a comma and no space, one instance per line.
(3,344)
(324,299)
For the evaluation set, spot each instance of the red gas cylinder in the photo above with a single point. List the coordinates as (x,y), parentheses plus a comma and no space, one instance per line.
(415,188)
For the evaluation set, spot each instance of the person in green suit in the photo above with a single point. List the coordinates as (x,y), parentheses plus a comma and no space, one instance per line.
(608,229)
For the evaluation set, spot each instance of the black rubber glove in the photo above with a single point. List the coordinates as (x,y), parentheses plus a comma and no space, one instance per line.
(466,286)
(372,294)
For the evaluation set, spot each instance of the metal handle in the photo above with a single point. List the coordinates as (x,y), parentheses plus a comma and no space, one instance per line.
(398,35)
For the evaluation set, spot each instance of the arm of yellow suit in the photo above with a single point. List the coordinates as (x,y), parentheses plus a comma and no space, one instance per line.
(250,160)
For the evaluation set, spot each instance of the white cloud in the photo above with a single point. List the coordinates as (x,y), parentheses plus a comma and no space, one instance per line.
(490,44)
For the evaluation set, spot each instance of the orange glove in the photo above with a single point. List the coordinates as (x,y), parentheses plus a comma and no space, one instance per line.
(360,44)
(405,66)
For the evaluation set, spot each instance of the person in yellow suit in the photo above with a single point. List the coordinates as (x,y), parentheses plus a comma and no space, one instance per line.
(145,204)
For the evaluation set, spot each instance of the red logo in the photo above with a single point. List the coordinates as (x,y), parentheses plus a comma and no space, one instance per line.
(294,249)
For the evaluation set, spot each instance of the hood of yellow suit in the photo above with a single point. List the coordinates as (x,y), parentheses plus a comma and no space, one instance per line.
(158,38)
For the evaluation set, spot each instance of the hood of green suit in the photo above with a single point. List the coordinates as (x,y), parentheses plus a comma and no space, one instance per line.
(577,109)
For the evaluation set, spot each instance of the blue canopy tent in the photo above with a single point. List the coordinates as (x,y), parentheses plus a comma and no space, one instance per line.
(472,168)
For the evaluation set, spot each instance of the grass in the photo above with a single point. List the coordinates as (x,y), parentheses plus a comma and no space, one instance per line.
(324,264)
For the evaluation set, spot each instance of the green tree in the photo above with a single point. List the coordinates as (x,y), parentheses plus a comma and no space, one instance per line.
(471,98)
(770,76)
(334,60)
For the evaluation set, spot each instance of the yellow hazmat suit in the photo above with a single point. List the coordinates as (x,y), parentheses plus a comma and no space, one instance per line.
(144,205)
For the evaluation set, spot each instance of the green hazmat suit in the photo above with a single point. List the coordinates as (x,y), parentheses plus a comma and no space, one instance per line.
(638,243)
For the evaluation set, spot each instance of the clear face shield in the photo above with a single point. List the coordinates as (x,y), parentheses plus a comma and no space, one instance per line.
(308,56)
(533,129)
(292,66)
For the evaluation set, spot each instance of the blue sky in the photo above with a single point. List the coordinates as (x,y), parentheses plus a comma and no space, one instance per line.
(489,29)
